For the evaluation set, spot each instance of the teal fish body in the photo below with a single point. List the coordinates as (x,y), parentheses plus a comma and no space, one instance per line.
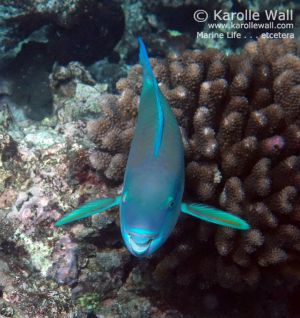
(154,175)
(151,199)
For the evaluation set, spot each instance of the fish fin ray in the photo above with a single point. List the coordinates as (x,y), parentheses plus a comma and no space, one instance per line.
(149,76)
(213,215)
(88,209)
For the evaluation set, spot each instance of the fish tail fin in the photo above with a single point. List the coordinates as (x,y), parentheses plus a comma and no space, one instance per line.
(149,78)
(144,61)
(88,209)
(213,215)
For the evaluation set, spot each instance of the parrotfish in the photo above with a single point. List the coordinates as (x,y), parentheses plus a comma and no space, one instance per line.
(151,199)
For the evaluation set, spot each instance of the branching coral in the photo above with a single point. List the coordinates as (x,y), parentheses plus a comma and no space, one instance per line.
(240,120)
(113,133)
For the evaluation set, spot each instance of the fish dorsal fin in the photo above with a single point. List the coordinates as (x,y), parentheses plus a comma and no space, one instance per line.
(148,76)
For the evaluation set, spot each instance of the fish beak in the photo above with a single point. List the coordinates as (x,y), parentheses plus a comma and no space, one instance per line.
(140,244)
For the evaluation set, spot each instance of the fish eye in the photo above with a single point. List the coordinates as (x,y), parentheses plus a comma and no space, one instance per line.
(171,203)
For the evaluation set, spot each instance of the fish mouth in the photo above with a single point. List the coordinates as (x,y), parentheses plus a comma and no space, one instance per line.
(140,244)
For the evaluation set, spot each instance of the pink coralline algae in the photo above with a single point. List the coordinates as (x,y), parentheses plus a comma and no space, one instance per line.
(64,269)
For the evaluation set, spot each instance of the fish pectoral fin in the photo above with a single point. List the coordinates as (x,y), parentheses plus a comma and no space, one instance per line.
(213,215)
(88,209)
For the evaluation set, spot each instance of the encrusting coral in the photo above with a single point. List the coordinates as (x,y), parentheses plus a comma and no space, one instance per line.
(240,121)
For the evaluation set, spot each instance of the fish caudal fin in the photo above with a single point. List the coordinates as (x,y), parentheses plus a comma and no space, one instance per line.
(150,80)
(88,209)
(213,215)
(144,60)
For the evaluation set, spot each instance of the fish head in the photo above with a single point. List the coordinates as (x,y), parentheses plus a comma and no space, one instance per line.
(147,221)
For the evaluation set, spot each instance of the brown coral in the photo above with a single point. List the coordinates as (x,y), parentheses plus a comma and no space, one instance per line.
(240,121)
(113,133)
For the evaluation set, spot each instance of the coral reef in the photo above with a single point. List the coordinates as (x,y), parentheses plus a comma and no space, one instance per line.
(28,206)
(241,125)
(75,93)
(52,31)
(240,122)
(163,24)
(57,25)
(35,36)
(44,272)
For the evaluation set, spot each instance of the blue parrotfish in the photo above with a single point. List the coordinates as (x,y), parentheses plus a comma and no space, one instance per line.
(151,199)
